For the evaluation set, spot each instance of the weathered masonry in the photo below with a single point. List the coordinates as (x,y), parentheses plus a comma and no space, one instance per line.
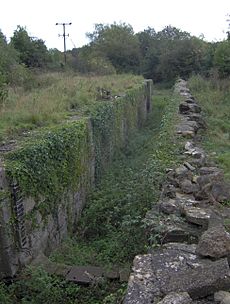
(45,179)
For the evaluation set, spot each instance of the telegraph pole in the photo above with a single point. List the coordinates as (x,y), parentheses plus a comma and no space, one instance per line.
(64,35)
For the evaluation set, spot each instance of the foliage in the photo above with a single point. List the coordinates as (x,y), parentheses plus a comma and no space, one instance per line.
(111,124)
(118,44)
(11,72)
(111,230)
(222,58)
(126,191)
(162,55)
(87,60)
(32,52)
(170,53)
(52,97)
(55,60)
(213,94)
(5,296)
(3,90)
(113,217)
(8,58)
(38,287)
(51,164)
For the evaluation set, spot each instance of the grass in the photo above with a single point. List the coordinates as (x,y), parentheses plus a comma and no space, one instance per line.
(214,98)
(54,97)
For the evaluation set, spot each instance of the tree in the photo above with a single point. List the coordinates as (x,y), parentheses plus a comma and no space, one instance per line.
(10,70)
(146,39)
(32,52)
(172,33)
(8,58)
(169,53)
(222,58)
(118,44)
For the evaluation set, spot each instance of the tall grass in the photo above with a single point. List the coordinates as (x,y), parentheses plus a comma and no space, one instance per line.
(55,96)
(214,97)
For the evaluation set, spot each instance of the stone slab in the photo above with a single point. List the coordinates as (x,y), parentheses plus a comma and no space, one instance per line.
(84,274)
(200,281)
(175,268)
(198,216)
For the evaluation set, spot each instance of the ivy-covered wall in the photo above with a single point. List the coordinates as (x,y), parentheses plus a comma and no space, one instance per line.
(112,122)
(45,181)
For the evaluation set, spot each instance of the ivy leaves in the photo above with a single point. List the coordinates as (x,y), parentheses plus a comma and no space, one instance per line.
(51,163)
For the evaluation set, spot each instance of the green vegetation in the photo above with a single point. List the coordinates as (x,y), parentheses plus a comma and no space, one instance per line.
(162,56)
(51,164)
(35,286)
(55,160)
(55,97)
(222,58)
(111,231)
(214,96)
(113,48)
(37,90)
(32,52)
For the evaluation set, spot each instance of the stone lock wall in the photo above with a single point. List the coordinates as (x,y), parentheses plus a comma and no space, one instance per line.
(44,181)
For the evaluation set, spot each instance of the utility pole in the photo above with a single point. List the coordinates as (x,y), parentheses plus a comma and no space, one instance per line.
(64,35)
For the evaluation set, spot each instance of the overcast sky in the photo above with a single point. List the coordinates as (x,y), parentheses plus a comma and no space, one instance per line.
(207,17)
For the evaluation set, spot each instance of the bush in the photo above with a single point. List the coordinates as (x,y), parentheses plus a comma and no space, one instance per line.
(92,63)
(5,296)
(38,287)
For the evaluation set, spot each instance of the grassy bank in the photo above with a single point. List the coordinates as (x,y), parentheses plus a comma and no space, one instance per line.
(54,97)
(214,97)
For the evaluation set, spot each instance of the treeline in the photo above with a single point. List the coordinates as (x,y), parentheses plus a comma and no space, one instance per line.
(115,48)
(162,55)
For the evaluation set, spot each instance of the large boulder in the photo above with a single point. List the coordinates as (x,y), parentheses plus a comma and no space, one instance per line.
(175,268)
(214,242)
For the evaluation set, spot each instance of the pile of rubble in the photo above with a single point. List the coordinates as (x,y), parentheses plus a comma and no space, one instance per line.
(190,224)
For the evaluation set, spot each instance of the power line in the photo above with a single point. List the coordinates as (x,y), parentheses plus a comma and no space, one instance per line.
(64,35)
